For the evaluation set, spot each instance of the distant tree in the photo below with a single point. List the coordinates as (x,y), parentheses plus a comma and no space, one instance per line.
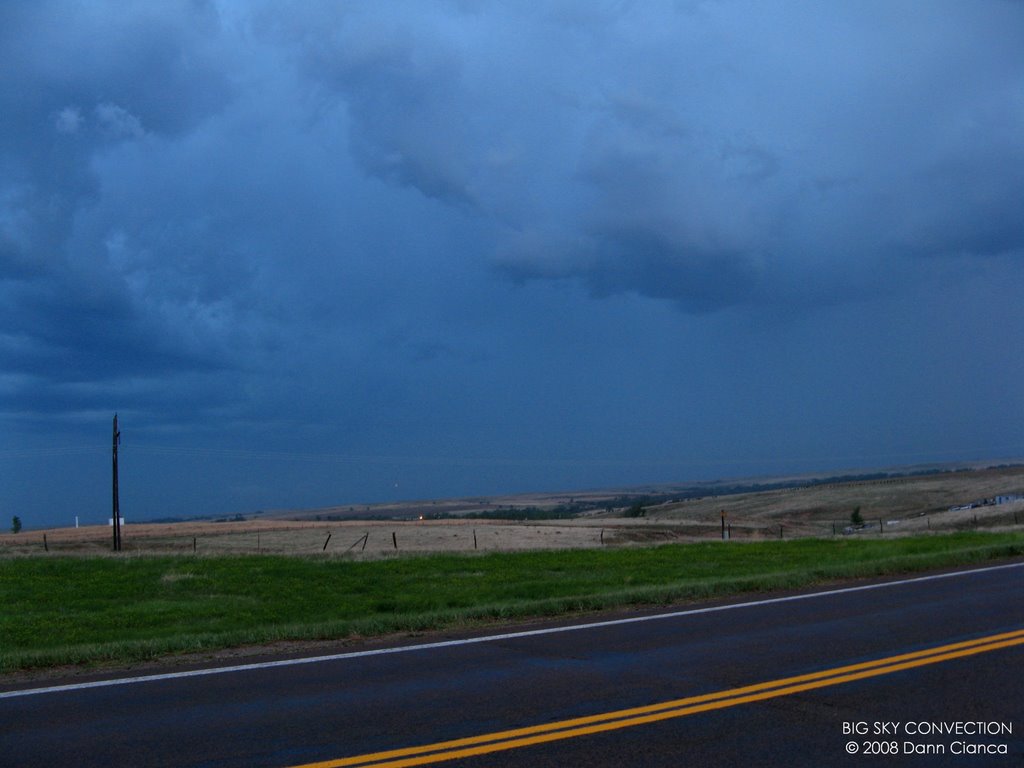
(16,525)
(637,510)
(856,518)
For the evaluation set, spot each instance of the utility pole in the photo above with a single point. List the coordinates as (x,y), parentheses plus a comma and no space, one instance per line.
(117,509)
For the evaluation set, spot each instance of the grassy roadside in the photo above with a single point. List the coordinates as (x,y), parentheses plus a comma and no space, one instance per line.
(67,610)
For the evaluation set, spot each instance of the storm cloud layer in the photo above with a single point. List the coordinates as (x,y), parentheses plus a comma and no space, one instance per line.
(347,251)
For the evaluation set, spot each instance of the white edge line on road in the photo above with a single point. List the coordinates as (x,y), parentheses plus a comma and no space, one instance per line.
(493,638)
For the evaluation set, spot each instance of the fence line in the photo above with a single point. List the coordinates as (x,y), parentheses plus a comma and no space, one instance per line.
(418,538)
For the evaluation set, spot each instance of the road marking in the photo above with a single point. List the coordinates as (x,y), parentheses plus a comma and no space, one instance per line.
(495,638)
(628,718)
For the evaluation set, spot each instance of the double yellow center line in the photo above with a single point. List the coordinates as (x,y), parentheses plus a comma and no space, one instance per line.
(627,718)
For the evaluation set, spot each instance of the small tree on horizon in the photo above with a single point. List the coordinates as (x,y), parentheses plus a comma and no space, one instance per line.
(16,525)
(856,518)
(637,510)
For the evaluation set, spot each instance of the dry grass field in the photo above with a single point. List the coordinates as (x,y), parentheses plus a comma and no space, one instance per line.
(889,507)
(362,539)
(912,504)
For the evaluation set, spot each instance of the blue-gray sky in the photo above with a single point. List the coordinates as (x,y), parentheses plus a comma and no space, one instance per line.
(341,252)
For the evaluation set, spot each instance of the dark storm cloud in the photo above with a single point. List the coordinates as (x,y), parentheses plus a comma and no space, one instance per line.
(80,82)
(753,154)
(458,228)
(407,120)
(162,167)
(712,154)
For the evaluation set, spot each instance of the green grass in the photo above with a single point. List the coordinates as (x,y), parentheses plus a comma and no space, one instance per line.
(70,610)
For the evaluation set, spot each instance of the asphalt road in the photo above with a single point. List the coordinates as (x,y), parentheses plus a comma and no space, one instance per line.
(927,655)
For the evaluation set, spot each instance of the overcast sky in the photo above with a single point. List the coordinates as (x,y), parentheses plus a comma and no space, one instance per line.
(337,252)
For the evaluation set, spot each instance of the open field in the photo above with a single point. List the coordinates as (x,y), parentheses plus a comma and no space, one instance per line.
(366,540)
(83,610)
(913,503)
(352,539)
(894,491)
(198,585)
(897,505)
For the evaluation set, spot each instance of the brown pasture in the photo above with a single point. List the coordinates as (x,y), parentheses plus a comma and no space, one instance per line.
(355,538)
(893,506)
